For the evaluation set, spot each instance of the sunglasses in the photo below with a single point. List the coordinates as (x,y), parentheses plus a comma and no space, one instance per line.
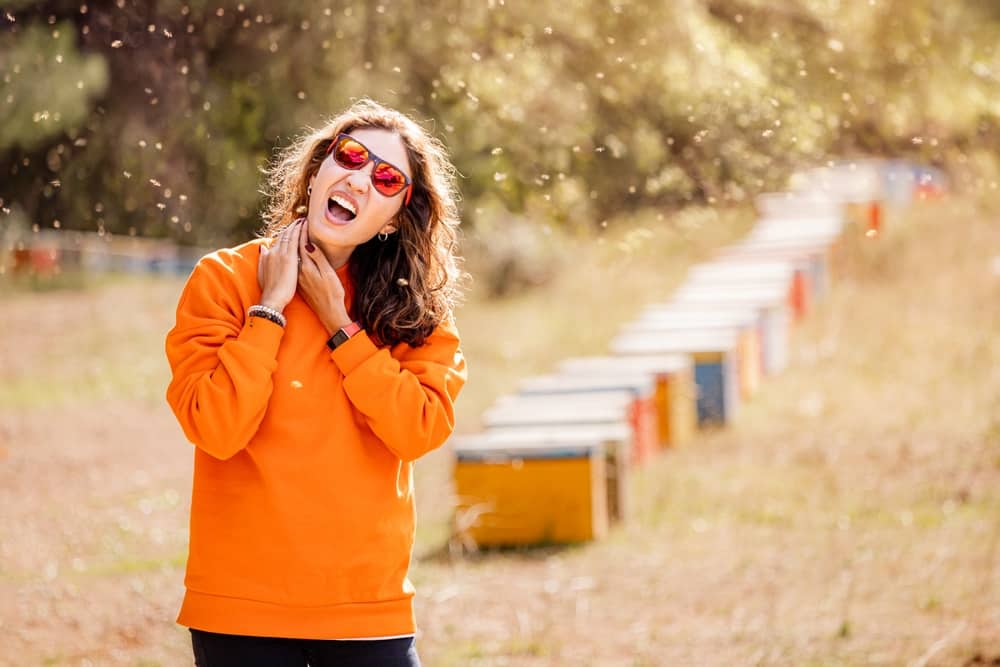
(387,178)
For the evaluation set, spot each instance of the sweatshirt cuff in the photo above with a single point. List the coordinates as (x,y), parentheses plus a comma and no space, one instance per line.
(352,352)
(263,335)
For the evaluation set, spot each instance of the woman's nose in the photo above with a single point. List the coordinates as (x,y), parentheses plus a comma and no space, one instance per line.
(359,180)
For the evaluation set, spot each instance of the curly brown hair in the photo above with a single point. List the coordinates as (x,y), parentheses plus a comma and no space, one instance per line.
(405,286)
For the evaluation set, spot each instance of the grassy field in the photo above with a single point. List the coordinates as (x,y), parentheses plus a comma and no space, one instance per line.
(851,515)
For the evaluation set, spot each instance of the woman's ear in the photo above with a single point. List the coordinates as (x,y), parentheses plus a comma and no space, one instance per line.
(389,228)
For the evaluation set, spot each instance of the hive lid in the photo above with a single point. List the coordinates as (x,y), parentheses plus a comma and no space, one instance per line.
(653,364)
(638,384)
(690,342)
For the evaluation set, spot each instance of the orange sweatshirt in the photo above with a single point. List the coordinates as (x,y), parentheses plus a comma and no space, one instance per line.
(302,512)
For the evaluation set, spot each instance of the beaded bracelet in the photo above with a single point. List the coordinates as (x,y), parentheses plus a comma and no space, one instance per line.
(267,313)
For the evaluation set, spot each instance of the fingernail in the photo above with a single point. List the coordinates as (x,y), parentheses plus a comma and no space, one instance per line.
(309,246)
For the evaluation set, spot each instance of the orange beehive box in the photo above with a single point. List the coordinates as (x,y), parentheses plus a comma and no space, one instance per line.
(675,388)
(818,258)
(593,408)
(795,277)
(643,413)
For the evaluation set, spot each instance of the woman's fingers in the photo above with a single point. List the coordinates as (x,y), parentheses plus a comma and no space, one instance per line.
(278,271)
(303,239)
(322,263)
(260,266)
(287,234)
(310,258)
(293,239)
(288,243)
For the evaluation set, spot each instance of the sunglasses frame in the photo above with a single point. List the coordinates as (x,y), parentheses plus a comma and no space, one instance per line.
(371,158)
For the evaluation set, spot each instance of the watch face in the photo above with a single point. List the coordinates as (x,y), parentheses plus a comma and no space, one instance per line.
(337,339)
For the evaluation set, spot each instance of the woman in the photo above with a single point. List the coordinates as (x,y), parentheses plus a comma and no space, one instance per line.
(310,369)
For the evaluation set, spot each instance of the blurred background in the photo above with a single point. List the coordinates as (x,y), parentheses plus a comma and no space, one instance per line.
(851,514)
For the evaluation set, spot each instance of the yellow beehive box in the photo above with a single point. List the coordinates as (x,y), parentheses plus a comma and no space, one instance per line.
(552,412)
(527,493)
(616,438)
(680,401)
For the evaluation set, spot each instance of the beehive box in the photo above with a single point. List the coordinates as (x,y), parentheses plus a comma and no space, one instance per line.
(644,414)
(716,358)
(615,438)
(748,344)
(817,257)
(771,330)
(525,492)
(795,276)
(797,204)
(676,393)
(766,300)
(592,408)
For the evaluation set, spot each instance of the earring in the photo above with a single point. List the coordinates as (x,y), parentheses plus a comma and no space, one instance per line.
(383,237)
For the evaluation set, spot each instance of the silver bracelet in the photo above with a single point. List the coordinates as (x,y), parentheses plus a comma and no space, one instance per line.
(266,312)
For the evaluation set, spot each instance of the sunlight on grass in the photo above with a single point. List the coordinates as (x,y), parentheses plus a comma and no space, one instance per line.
(88,347)
(129,565)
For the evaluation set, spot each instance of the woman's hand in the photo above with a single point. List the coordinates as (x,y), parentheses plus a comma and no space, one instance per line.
(320,286)
(277,270)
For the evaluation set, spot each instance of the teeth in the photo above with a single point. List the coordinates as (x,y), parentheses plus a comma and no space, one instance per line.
(345,203)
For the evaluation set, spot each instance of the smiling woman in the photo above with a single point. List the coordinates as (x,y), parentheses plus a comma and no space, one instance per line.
(401,241)
(357,193)
(311,367)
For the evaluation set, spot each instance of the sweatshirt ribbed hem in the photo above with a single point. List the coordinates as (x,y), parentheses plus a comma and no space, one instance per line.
(263,335)
(237,616)
(353,352)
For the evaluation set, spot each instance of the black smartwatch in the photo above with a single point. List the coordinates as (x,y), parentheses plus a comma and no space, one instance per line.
(343,335)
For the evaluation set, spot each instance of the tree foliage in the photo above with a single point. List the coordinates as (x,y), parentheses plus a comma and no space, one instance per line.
(155,117)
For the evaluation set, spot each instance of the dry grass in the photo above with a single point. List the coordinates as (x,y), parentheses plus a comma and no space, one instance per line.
(850,517)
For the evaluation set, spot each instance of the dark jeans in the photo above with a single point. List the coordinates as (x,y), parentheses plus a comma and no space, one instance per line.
(217,650)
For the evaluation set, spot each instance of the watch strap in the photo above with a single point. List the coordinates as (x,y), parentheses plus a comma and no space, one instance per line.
(343,335)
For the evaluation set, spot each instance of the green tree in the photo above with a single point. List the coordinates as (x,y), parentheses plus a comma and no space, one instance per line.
(155,117)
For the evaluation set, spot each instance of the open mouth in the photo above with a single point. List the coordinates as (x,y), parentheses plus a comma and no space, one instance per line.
(341,209)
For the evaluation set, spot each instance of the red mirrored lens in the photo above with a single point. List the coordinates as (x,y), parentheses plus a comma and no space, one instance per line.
(350,154)
(388,180)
